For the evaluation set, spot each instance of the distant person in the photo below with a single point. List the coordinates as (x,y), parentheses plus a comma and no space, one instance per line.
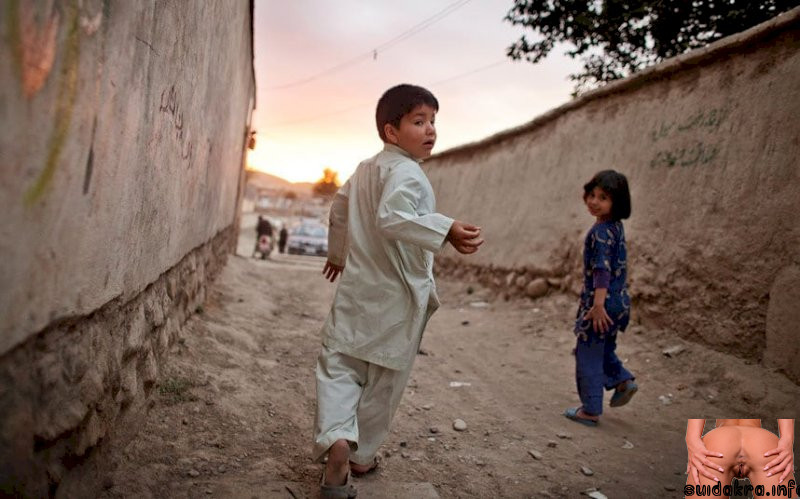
(283,235)
(263,228)
(604,308)
(384,227)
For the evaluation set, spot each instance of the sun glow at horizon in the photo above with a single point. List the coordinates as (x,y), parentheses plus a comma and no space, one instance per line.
(303,157)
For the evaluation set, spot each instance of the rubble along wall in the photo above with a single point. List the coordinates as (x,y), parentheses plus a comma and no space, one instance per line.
(119,187)
(709,142)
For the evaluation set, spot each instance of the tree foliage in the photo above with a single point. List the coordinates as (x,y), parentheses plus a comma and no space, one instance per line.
(615,38)
(327,185)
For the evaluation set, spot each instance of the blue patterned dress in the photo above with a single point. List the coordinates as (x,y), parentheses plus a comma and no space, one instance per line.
(604,250)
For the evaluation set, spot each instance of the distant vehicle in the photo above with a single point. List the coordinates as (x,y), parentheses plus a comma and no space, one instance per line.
(308,239)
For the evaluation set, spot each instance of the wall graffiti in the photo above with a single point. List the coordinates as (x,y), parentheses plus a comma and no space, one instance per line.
(698,154)
(169,105)
(701,123)
(708,120)
(67,92)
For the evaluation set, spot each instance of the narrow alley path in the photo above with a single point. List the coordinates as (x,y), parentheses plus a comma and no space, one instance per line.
(233,411)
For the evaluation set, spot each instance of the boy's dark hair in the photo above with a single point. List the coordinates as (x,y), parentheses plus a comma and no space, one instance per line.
(399,101)
(616,186)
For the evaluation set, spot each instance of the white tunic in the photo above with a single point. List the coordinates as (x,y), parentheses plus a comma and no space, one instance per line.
(384,230)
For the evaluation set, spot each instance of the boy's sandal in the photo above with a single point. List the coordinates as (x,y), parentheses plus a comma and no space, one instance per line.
(372,468)
(346,491)
(622,397)
(572,413)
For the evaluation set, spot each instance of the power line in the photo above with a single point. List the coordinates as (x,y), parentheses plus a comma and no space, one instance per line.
(364,104)
(380,48)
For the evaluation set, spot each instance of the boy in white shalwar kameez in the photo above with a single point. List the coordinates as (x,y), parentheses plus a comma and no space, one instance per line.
(383,233)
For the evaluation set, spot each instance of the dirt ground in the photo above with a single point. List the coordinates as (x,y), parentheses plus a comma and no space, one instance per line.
(232,415)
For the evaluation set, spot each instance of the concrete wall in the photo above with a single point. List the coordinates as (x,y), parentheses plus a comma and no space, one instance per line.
(120,170)
(124,159)
(710,144)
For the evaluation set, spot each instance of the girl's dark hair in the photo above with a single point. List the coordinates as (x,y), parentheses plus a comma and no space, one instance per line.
(616,186)
(399,101)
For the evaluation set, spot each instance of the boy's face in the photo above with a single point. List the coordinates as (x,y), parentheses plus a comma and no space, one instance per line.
(416,134)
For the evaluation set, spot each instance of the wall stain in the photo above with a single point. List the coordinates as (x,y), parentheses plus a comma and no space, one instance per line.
(87,178)
(67,90)
(33,42)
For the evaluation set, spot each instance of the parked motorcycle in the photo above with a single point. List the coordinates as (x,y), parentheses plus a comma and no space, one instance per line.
(264,246)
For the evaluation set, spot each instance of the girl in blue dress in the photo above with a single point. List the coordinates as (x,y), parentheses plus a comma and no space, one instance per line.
(605,305)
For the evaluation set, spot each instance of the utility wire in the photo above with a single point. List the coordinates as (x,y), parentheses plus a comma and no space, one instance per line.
(364,104)
(380,48)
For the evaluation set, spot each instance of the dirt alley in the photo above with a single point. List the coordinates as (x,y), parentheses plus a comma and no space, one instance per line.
(232,413)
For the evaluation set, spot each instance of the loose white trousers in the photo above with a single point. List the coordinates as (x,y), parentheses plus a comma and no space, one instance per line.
(356,401)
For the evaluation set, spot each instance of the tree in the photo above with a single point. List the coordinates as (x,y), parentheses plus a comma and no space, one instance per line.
(616,38)
(327,185)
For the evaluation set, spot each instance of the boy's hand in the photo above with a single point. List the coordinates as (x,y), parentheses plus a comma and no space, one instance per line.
(464,237)
(331,271)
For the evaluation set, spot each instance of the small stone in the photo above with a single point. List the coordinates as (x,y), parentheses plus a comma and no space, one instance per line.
(552,443)
(563,434)
(535,454)
(427,407)
(434,429)
(627,445)
(536,288)
(673,351)
(665,400)
(510,277)
(185,421)
(459,425)
(194,473)
(587,471)
(208,492)
(431,439)
(670,488)
(222,469)
(405,455)
(479,304)
(596,494)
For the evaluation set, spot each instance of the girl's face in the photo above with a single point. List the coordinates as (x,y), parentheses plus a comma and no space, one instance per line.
(599,203)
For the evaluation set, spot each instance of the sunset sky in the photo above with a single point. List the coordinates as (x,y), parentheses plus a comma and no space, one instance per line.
(318,78)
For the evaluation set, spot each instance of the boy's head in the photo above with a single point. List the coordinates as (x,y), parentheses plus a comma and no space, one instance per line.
(405,117)
(615,185)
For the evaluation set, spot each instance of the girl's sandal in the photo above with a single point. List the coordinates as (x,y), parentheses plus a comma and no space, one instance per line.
(346,491)
(572,413)
(622,397)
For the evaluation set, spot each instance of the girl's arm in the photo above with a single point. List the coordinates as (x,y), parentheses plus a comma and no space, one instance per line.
(785,460)
(698,453)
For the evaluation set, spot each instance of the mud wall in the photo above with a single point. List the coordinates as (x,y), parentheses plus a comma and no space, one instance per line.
(709,142)
(119,182)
